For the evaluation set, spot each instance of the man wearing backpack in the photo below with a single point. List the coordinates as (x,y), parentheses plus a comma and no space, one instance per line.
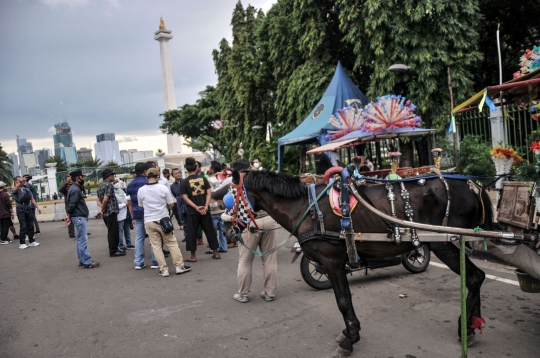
(23,205)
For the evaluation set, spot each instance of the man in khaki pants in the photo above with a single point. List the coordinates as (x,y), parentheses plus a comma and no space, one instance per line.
(156,200)
(263,241)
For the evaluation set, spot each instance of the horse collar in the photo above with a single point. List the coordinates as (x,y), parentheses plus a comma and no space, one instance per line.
(241,194)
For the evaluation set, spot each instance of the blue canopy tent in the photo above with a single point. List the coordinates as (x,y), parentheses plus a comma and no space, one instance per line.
(341,92)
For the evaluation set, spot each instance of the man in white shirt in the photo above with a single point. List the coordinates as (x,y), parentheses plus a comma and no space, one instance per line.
(334,158)
(156,200)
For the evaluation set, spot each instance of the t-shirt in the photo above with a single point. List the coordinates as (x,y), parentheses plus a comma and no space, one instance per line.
(195,186)
(154,198)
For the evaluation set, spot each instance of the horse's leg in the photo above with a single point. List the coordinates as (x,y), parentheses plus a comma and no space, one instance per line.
(335,270)
(449,254)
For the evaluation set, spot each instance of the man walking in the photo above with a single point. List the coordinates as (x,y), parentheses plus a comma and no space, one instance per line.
(23,200)
(137,214)
(77,213)
(196,193)
(156,199)
(109,211)
(6,214)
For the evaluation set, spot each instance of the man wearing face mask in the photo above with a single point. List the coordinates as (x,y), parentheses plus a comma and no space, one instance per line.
(257,164)
(77,213)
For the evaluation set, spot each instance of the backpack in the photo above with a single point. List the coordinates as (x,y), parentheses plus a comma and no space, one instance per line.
(24,196)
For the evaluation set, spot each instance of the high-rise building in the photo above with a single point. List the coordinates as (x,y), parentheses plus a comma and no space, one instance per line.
(132,155)
(63,143)
(29,160)
(23,147)
(84,154)
(107,148)
(41,156)
(15,168)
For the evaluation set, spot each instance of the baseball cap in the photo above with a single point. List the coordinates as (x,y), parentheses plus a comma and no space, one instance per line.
(2,184)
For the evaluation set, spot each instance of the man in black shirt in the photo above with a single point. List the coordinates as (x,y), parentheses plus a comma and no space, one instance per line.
(322,162)
(195,190)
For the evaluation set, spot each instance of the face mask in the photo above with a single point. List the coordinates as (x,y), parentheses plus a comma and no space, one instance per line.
(81,182)
(256,165)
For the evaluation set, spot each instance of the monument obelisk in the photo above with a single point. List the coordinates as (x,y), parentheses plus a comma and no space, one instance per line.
(174,142)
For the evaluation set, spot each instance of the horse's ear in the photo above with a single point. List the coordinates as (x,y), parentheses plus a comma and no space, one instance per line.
(235,177)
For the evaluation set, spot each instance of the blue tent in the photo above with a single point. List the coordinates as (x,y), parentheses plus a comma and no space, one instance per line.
(341,92)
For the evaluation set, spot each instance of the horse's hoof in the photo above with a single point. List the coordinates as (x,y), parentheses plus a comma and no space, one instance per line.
(471,339)
(340,352)
(341,337)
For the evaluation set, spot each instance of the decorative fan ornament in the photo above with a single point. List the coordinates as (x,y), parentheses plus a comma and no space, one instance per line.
(389,113)
(346,120)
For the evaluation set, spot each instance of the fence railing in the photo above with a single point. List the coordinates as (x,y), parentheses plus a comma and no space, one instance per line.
(94,174)
(518,125)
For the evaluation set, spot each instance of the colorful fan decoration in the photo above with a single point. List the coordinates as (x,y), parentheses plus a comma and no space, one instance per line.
(346,120)
(529,62)
(389,113)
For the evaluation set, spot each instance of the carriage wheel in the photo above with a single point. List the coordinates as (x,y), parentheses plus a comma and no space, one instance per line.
(417,260)
(314,274)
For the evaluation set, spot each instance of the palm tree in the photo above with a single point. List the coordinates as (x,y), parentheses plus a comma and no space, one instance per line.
(112,164)
(61,164)
(5,167)
(94,164)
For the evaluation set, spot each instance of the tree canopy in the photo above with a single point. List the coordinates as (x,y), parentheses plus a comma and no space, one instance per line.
(5,167)
(278,64)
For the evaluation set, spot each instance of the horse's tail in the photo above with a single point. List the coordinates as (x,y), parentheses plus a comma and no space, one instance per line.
(489,223)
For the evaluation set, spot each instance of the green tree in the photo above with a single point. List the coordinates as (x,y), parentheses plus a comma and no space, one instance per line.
(5,167)
(94,164)
(61,164)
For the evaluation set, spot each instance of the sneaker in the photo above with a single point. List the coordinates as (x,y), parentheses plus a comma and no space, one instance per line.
(37,232)
(164,273)
(33,244)
(182,269)
(140,267)
(266,297)
(23,246)
(241,298)
(130,247)
(92,265)
(154,266)
(4,242)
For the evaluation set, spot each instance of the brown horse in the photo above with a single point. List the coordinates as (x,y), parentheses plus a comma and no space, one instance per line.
(285,198)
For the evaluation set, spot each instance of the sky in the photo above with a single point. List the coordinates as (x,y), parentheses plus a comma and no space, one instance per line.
(95,63)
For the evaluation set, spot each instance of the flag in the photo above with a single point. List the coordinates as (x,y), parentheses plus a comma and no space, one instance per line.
(481,105)
(452,128)
(490,104)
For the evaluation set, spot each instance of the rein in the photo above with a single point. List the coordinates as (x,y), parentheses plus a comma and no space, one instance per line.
(241,195)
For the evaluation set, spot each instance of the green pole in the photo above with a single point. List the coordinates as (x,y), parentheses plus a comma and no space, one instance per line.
(463,277)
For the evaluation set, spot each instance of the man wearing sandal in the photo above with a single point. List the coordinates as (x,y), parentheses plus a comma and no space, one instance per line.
(77,212)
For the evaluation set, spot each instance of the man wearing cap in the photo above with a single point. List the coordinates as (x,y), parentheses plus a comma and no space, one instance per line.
(23,200)
(77,214)
(109,211)
(137,213)
(156,200)
(28,179)
(6,214)
(196,193)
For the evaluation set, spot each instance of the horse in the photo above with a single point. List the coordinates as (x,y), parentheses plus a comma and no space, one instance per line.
(285,198)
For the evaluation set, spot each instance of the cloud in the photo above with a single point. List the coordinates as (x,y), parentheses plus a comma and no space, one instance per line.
(127,139)
(51,130)
(70,3)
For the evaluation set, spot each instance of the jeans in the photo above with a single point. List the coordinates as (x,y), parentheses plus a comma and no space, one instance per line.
(26,225)
(140,232)
(35,222)
(218,225)
(81,223)
(183,220)
(123,229)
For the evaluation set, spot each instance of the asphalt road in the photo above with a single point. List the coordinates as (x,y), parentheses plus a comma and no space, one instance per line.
(52,308)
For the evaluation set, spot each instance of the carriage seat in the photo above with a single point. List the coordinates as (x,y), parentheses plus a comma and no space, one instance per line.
(333,197)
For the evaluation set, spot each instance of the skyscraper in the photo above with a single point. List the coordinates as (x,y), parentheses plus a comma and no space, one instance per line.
(63,143)
(41,156)
(107,148)
(15,169)
(84,154)
(23,147)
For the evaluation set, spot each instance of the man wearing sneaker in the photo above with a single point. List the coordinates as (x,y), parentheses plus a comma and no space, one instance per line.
(262,240)
(23,201)
(28,179)
(6,214)
(137,214)
(156,200)
(77,213)
(109,211)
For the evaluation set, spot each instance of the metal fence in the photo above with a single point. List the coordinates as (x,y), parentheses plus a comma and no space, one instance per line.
(93,175)
(518,125)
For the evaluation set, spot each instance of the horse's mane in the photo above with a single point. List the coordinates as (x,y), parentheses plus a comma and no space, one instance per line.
(277,184)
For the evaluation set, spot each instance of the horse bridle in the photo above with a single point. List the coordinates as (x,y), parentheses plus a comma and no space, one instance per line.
(242,195)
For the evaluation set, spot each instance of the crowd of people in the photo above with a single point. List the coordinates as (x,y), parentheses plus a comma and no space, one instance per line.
(147,205)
